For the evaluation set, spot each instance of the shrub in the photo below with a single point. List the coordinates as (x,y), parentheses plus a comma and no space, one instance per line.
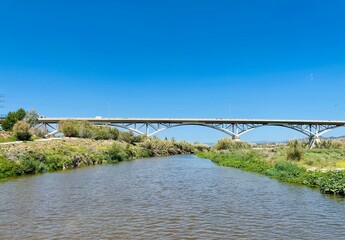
(294,151)
(117,153)
(329,144)
(287,171)
(8,168)
(201,147)
(114,133)
(30,165)
(333,183)
(229,144)
(101,133)
(83,129)
(104,133)
(184,147)
(126,137)
(70,128)
(21,131)
(38,132)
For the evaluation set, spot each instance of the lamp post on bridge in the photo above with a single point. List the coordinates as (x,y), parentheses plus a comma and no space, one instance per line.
(229,108)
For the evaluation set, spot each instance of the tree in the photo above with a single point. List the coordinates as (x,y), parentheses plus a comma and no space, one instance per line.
(12,118)
(21,131)
(31,117)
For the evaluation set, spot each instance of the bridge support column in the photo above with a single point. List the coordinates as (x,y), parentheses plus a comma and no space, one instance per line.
(147,130)
(313,140)
(236,138)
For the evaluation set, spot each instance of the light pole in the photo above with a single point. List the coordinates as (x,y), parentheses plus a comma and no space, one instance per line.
(108,108)
(229,108)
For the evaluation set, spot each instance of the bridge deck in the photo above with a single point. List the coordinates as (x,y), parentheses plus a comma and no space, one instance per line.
(197,120)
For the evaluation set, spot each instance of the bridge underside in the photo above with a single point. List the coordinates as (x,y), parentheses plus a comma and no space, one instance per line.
(312,130)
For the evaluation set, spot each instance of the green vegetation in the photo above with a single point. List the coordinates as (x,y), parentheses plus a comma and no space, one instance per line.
(90,145)
(20,125)
(295,150)
(11,119)
(229,144)
(83,129)
(21,131)
(31,117)
(6,137)
(291,163)
(67,153)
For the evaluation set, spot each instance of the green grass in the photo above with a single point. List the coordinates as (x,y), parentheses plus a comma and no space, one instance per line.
(286,171)
(6,137)
(327,159)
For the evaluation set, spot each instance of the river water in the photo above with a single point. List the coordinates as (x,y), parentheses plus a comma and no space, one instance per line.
(180,197)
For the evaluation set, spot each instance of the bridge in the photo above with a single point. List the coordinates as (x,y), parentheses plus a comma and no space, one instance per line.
(235,128)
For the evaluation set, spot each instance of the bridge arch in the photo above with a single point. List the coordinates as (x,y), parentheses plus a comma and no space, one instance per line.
(235,132)
(307,133)
(224,130)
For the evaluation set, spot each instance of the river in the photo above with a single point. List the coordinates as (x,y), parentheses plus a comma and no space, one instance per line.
(180,197)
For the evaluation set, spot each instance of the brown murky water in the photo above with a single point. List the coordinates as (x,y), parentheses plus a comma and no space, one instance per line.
(181,197)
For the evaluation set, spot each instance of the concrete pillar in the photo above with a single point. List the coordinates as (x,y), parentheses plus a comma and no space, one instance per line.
(236,138)
(313,140)
(147,133)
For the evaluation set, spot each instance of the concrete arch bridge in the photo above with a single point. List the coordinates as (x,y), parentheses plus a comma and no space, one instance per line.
(235,128)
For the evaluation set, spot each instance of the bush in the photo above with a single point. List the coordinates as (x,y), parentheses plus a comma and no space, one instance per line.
(31,166)
(329,144)
(229,144)
(104,133)
(70,128)
(21,131)
(38,132)
(287,171)
(333,183)
(83,129)
(101,133)
(294,151)
(12,118)
(8,168)
(117,153)
(126,137)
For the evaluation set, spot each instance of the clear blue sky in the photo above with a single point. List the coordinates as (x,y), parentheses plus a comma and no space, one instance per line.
(195,59)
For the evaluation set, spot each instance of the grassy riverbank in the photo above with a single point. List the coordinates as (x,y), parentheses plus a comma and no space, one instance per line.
(52,155)
(317,168)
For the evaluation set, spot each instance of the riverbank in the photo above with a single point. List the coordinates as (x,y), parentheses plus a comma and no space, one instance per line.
(66,153)
(271,163)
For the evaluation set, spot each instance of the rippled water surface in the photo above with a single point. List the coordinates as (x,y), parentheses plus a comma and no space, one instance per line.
(165,198)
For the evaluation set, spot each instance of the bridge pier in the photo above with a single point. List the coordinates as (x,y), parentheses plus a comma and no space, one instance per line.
(236,138)
(313,140)
(147,130)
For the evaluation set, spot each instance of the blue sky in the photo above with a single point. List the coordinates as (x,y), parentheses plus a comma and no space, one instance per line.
(195,59)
